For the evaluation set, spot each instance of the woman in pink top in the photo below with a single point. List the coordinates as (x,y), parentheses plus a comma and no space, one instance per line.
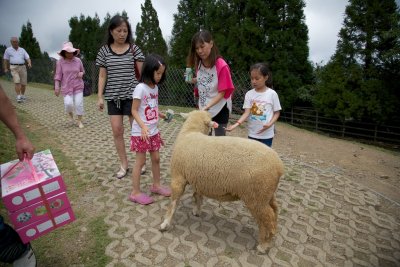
(68,80)
(213,79)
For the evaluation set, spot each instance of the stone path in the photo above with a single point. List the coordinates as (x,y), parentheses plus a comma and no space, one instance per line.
(325,219)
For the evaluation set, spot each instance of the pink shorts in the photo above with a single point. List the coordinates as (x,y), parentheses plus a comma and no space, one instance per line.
(153,144)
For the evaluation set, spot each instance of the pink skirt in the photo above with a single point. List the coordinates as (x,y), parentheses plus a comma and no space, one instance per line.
(142,146)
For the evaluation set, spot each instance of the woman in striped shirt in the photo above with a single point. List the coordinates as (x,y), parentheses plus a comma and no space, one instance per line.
(117,80)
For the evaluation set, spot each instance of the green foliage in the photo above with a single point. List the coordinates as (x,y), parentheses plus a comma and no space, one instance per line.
(2,49)
(87,35)
(190,18)
(148,33)
(41,64)
(251,31)
(361,81)
(29,42)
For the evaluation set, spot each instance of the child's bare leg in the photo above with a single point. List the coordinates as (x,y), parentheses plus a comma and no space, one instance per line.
(140,161)
(155,167)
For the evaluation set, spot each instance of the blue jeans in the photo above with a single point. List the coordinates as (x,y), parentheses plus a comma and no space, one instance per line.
(267,142)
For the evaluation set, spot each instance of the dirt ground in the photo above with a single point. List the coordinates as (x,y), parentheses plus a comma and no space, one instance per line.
(373,167)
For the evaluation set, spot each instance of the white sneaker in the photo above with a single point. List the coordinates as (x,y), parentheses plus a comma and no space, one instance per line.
(28,259)
(19,99)
(23,97)
(80,125)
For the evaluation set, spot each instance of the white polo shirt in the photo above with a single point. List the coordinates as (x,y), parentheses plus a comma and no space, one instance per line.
(15,57)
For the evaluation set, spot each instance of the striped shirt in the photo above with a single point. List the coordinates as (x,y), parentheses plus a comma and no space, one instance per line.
(121,78)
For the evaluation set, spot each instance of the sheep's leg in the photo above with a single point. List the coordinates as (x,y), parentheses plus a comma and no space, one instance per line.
(274,206)
(178,187)
(198,201)
(265,218)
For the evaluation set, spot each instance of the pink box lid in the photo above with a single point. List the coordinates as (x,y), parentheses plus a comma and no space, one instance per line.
(16,175)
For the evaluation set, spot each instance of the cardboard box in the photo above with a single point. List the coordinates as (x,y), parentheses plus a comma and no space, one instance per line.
(20,186)
(34,194)
(39,211)
(41,227)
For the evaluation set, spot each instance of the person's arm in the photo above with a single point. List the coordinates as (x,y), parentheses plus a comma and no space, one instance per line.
(57,79)
(81,69)
(136,117)
(9,117)
(274,118)
(241,120)
(29,63)
(27,59)
(6,65)
(214,100)
(139,65)
(100,87)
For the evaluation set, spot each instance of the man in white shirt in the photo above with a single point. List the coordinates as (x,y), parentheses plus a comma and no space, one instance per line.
(15,58)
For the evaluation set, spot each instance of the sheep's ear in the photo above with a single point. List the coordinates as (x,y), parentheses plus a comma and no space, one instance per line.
(213,124)
(184,115)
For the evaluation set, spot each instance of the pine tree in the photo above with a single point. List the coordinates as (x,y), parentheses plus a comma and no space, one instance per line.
(287,40)
(367,63)
(190,18)
(29,42)
(87,35)
(41,63)
(2,50)
(148,33)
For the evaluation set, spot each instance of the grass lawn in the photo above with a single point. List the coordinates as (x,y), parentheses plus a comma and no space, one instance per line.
(80,243)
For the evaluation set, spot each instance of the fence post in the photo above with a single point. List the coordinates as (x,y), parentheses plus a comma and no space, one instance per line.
(291,116)
(343,128)
(375,132)
(316,120)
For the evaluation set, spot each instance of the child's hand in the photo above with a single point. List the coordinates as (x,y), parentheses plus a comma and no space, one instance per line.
(80,74)
(57,92)
(264,128)
(230,127)
(145,133)
(169,115)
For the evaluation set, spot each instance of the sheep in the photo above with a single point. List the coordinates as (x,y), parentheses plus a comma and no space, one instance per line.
(226,169)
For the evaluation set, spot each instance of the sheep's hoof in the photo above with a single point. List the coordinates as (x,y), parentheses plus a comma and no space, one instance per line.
(195,212)
(164,226)
(262,249)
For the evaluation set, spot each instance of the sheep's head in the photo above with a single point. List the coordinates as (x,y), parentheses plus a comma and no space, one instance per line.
(198,121)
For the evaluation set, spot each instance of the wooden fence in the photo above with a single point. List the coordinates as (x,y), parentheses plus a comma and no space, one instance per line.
(310,119)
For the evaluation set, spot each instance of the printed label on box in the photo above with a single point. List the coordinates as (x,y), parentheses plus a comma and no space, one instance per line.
(62,218)
(39,228)
(35,193)
(50,187)
(40,210)
(44,226)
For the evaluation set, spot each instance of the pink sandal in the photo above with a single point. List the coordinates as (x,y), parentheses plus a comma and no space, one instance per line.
(164,191)
(142,199)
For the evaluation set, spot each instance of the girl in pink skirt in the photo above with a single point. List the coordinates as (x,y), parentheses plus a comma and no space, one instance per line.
(145,136)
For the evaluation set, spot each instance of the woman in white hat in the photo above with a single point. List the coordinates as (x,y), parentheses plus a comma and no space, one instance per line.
(68,80)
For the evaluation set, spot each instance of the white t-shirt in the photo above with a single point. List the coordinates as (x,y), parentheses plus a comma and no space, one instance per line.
(148,109)
(207,83)
(262,107)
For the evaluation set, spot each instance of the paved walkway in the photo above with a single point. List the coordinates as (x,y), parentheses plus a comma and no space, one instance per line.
(325,219)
